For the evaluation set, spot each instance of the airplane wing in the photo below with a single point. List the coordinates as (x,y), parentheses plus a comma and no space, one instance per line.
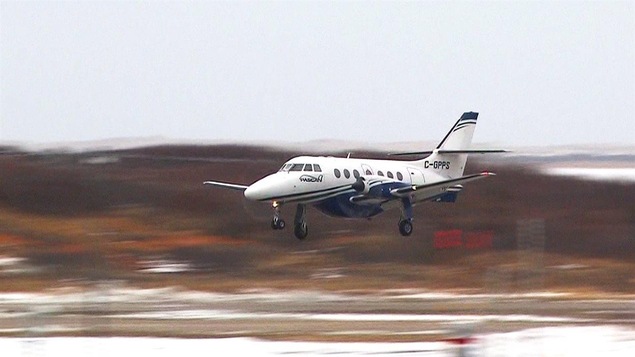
(232,186)
(432,190)
(379,193)
(427,192)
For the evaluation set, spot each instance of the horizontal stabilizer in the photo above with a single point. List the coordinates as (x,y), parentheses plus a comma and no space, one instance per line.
(418,153)
(410,153)
(492,151)
(232,186)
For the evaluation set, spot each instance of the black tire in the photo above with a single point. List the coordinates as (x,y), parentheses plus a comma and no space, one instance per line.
(405,227)
(277,224)
(301,231)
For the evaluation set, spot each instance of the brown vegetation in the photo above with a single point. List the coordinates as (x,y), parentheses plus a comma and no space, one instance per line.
(80,215)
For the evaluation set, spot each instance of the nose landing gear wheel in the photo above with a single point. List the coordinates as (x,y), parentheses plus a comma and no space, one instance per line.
(277,223)
(405,227)
(301,231)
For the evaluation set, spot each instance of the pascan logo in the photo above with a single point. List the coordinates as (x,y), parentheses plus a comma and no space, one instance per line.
(309,178)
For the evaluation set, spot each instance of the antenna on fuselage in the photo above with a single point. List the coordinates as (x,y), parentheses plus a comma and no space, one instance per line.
(348,156)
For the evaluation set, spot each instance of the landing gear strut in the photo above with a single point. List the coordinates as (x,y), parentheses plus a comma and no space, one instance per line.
(405,222)
(300,228)
(277,223)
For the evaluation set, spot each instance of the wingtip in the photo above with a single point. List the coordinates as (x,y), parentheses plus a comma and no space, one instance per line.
(488,173)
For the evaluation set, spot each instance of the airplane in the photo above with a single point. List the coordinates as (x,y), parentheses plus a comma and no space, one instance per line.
(363,188)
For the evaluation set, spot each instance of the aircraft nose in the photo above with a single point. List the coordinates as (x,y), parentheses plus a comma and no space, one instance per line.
(253,192)
(261,190)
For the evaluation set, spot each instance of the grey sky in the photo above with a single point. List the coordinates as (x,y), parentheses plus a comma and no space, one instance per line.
(540,73)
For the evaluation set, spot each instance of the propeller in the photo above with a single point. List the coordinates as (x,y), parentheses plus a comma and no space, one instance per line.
(361,185)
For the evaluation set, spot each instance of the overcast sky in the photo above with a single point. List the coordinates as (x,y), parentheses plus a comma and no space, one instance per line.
(540,73)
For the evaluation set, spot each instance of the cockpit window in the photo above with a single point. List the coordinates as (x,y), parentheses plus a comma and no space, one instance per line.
(296,167)
(300,167)
(285,167)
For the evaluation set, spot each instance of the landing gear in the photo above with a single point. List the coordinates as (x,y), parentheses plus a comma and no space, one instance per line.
(277,223)
(405,227)
(300,228)
(405,223)
(301,231)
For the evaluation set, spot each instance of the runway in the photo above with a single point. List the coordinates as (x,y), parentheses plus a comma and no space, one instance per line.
(558,341)
(378,316)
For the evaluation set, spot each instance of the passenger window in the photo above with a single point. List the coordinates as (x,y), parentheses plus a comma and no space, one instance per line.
(337,172)
(347,173)
(368,172)
(399,176)
(389,174)
(296,167)
(380,173)
(317,168)
(308,167)
(355,173)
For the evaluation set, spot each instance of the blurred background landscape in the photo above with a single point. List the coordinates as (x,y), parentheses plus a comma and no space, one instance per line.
(142,215)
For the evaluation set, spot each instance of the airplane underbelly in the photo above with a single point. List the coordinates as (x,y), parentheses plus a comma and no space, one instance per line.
(341,206)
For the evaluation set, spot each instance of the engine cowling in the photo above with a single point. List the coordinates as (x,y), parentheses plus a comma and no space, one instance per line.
(361,185)
(378,187)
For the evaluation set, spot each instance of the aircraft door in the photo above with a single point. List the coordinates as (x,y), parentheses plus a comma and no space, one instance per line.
(416,176)
(367,170)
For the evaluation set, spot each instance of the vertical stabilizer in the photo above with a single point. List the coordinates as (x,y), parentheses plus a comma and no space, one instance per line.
(460,136)
(443,160)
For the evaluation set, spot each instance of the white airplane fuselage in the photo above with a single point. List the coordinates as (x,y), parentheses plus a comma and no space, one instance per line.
(363,188)
(332,194)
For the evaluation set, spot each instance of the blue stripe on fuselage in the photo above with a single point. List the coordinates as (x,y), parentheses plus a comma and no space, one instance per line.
(341,206)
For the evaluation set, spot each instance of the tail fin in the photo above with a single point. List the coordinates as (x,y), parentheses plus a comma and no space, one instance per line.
(460,136)
(450,156)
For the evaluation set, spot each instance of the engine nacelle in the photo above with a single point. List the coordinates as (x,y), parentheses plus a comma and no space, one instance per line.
(378,187)
(361,185)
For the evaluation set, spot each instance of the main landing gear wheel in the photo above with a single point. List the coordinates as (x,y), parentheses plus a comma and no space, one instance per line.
(301,231)
(277,223)
(405,222)
(405,227)
(300,228)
